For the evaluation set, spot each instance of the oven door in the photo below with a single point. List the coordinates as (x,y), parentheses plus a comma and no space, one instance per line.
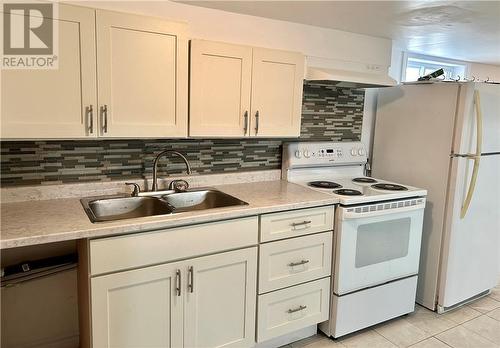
(377,243)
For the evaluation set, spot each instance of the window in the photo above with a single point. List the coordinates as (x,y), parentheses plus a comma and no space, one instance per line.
(417,65)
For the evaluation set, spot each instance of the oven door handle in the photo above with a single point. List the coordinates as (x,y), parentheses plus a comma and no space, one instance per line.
(347,215)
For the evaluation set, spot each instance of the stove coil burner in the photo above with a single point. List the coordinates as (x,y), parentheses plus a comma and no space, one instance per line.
(390,187)
(365,180)
(348,192)
(324,184)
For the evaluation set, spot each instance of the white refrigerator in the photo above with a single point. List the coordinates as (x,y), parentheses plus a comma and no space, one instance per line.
(445,137)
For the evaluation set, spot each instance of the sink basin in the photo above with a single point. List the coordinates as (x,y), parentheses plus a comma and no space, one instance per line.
(200,200)
(113,208)
(119,208)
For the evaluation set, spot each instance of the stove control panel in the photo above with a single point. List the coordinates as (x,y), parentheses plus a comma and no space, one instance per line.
(323,154)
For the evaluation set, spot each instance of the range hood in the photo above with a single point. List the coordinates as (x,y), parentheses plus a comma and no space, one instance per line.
(347,74)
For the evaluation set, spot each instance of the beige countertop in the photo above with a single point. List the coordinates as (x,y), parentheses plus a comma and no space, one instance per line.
(47,221)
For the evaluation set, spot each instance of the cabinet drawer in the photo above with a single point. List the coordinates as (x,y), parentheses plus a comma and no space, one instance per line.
(291,309)
(295,223)
(293,261)
(147,248)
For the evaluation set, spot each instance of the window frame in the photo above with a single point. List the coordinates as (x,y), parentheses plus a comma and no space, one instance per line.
(444,61)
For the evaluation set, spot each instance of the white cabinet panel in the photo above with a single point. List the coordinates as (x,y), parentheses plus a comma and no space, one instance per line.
(55,103)
(293,261)
(277,83)
(139,308)
(142,76)
(221,299)
(294,308)
(143,249)
(220,89)
(295,223)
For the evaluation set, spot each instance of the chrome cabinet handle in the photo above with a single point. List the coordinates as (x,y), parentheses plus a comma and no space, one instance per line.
(293,264)
(256,122)
(90,118)
(298,309)
(191,279)
(245,127)
(305,222)
(178,282)
(104,113)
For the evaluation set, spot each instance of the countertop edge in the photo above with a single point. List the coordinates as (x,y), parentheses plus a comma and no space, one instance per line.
(158,223)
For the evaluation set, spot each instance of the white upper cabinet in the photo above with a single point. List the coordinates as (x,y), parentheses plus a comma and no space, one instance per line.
(140,89)
(277,80)
(239,91)
(56,103)
(142,76)
(221,76)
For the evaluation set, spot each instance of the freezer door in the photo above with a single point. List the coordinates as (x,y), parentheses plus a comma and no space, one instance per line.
(466,130)
(470,259)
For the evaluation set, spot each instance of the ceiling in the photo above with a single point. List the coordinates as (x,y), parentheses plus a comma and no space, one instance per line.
(462,30)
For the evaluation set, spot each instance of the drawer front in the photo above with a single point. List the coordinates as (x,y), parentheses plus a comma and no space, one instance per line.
(293,261)
(291,309)
(142,249)
(295,223)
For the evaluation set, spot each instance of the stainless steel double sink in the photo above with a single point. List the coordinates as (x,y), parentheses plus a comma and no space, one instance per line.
(112,208)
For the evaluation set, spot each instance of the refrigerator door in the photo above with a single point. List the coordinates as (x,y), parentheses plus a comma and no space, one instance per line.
(471,244)
(466,130)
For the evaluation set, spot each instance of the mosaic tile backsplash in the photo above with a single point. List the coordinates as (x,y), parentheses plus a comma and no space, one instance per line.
(329,113)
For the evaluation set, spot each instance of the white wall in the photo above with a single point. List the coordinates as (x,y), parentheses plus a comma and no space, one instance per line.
(484,71)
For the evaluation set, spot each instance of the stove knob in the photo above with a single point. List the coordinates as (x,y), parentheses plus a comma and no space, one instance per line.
(307,154)
(354,152)
(298,154)
(361,152)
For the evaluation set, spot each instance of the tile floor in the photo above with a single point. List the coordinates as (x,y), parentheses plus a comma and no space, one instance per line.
(475,325)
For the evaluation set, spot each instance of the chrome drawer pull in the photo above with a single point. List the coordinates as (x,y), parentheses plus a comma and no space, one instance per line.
(298,309)
(306,222)
(303,262)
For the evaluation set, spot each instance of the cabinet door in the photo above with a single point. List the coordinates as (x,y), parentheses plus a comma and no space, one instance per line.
(277,80)
(220,300)
(220,89)
(142,76)
(55,103)
(139,308)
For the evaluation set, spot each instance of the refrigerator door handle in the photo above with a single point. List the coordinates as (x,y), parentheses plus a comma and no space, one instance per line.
(477,157)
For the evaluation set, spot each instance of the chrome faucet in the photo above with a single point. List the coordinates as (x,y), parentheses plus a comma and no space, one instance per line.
(155,169)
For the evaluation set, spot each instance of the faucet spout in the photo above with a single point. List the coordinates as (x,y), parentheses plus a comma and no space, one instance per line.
(155,165)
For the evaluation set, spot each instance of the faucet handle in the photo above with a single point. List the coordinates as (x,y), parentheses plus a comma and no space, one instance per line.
(137,188)
(178,185)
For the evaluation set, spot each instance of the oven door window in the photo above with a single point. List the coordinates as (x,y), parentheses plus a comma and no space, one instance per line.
(382,241)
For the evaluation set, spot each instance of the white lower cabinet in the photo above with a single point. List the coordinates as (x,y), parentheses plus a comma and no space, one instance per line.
(139,308)
(203,302)
(220,300)
(294,308)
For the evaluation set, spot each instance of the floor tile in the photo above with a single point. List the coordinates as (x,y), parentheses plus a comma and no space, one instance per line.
(461,315)
(364,339)
(495,293)
(401,332)
(484,305)
(433,326)
(430,343)
(494,314)
(317,341)
(485,326)
(460,337)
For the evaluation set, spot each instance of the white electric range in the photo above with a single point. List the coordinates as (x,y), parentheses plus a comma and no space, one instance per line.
(378,231)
